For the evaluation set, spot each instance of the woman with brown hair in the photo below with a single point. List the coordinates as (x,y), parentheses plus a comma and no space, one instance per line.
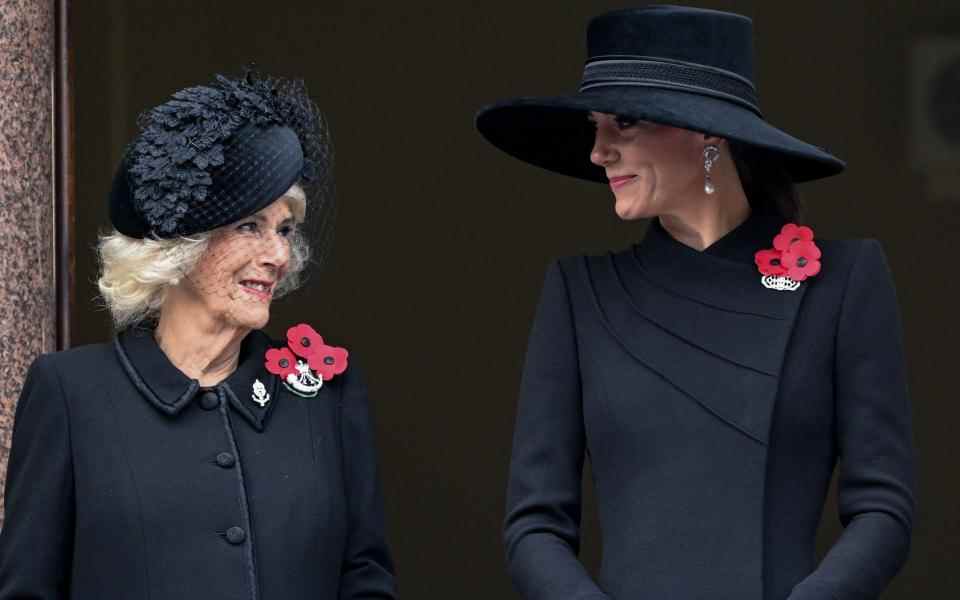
(716,372)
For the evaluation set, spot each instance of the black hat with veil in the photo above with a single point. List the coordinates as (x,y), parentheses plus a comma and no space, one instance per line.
(214,154)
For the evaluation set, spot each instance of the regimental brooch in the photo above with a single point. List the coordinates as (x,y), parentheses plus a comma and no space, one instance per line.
(307,362)
(260,394)
(793,258)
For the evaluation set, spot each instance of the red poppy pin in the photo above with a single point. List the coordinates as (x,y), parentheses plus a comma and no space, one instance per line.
(793,258)
(307,362)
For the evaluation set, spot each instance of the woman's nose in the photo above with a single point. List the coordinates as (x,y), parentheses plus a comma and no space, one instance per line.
(275,251)
(603,152)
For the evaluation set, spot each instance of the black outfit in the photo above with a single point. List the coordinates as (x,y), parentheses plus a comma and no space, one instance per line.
(713,411)
(128,481)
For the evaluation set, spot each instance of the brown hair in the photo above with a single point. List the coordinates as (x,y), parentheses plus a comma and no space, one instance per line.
(769,188)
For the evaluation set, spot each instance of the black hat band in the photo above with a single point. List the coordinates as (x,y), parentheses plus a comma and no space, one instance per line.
(674,75)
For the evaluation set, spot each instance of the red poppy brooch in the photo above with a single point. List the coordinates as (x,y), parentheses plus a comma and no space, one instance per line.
(307,362)
(793,258)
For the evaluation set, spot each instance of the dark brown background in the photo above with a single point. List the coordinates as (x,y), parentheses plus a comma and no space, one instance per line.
(442,242)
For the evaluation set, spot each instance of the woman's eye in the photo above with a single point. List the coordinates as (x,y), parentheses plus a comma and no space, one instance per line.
(250,227)
(286,231)
(626,122)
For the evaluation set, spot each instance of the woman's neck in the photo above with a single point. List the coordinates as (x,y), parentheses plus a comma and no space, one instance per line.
(201,347)
(699,224)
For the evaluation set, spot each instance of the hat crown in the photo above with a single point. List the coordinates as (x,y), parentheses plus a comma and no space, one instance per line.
(260,164)
(712,38)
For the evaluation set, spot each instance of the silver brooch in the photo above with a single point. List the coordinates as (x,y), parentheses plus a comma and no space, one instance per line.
(303,383)
(260,395)
(780,283)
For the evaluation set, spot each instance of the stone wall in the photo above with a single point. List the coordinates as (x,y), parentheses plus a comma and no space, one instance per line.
(27,285)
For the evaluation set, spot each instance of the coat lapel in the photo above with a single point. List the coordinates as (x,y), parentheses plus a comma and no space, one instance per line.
(702,320)
(239,386)
(163,385)
(169,390)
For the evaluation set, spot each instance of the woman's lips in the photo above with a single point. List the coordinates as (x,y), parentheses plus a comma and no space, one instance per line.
(621,180)
(262,290)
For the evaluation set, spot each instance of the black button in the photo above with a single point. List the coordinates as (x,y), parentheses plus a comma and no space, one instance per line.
(236,535)
(225,460)
(209,401)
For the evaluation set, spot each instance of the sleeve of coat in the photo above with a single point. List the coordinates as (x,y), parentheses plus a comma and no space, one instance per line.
(877,473)
(36,539)
(368,571)
(542,526)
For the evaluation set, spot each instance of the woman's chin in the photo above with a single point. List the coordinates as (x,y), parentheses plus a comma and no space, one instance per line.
(259,321)
(250,318)
(630,209)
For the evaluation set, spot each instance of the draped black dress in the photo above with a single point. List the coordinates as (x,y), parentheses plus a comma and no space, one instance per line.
(713,411)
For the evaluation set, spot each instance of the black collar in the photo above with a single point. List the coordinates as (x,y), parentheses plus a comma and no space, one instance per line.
(169,390)
(737,245)
(724,274)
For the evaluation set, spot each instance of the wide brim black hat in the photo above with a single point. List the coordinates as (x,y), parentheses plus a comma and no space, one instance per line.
(684,67)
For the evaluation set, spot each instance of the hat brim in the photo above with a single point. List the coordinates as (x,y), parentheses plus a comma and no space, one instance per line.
(552,132)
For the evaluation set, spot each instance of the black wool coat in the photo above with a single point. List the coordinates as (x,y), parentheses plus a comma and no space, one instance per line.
(128,481)
(713,411)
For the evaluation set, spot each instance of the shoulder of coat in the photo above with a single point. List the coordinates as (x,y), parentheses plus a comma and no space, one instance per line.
(842,254)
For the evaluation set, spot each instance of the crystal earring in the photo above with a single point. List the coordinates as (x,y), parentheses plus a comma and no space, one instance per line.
(711,153)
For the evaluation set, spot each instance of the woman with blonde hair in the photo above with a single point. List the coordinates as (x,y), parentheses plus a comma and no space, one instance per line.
(194,457)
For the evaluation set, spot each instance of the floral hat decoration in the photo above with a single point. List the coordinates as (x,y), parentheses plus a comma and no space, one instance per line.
(216,153)
(793,258)
(306,362)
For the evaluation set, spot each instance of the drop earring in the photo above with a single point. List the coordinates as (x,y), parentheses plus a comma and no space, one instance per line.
(711,153)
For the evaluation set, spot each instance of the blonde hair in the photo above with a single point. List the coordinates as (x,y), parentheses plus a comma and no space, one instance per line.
(135,274)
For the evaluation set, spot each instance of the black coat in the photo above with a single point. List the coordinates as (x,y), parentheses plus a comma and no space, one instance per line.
(127,481)
(713,411)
